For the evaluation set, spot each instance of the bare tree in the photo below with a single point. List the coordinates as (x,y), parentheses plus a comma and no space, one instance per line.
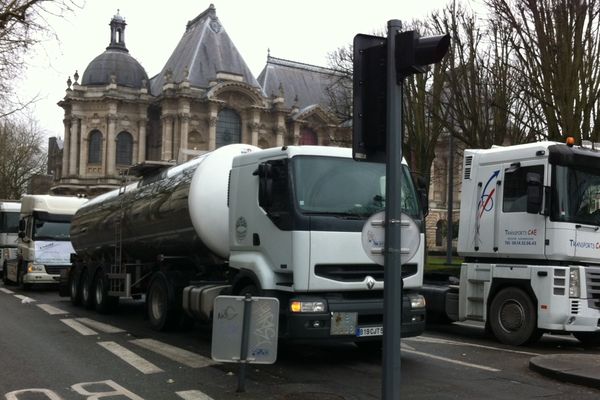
(22,25)
(339,91)
(557,46)
(22,155)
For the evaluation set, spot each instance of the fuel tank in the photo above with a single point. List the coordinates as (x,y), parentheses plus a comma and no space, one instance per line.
(180,211)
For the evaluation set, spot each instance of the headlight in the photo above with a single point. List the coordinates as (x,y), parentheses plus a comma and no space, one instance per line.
(416,301)
(574,283)
(35,268)
(307,306)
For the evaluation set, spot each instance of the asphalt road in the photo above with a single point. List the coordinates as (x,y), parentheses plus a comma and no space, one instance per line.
(52,350)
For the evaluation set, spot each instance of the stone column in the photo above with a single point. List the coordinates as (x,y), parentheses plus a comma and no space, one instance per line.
(254,125)
(296,128)
(83,151)
(280,130)
(111,146)
(212,126)
(66,146)
(142,140)
(185,127)
(167,138)
(73,146)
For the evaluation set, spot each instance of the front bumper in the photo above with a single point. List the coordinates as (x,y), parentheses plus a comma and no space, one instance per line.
(367,313)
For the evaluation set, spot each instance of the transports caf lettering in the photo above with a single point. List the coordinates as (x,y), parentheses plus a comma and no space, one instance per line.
(584,245)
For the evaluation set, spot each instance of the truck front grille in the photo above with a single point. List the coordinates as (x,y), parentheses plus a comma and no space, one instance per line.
(55,269)
(592,281)
(358,272)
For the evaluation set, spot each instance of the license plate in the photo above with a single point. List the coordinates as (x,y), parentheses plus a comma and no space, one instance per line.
(369,331)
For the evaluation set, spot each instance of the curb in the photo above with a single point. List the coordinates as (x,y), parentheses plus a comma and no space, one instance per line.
(580,369)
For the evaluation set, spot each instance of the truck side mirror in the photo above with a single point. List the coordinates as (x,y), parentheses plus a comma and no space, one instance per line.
(21,234)
(21,224)
(265,184)
(534,193)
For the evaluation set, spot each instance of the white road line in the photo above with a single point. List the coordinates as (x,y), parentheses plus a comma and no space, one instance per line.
(193,395)
(102,327)
(450,360)
(429,339)
(6,291)
(24,299)
(51,309)
(142,365)
(80,328)
(182,356)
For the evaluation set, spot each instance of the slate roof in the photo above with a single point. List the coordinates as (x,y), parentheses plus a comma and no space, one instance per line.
(304,82)
(204,49)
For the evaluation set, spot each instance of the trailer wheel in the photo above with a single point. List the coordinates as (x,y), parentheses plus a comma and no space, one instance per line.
(161,303)
(86,290)
(513,318)
(588,339)
(103,302)
(75,286)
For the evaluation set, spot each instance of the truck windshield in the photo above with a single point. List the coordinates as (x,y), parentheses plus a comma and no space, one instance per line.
(9,222)
(342,186)
(577,195)
(51,230)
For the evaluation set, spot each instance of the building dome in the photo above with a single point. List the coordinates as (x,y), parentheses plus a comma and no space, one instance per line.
(115,65)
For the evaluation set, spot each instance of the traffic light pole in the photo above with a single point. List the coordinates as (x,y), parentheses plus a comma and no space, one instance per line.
(392,302)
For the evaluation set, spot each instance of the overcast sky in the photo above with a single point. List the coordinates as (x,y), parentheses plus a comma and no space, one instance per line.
(304,31)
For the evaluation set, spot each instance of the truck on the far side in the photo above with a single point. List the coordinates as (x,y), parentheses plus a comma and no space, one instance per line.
(43,245)
(9,227)
(529,233)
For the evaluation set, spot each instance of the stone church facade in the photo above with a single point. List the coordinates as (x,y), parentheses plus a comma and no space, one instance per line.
(204,97)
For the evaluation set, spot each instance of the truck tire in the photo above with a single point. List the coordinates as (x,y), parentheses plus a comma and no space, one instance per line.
(588,339)
(75,286)
(103,302)
(161,303)
(513,317)
(85,284)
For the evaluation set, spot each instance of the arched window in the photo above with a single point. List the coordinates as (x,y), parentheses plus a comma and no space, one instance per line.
(196,141)
(308,137)
(95,147)
(124,148)
(229,128)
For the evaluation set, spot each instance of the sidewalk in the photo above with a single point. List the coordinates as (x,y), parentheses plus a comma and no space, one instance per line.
(581,369)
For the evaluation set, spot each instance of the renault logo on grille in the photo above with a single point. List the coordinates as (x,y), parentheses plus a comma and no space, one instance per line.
(370,282)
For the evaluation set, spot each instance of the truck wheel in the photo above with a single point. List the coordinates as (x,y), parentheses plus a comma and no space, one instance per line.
(103,302)
(75,286)
(87,299)
(513,318)
(161,304)
(588,339)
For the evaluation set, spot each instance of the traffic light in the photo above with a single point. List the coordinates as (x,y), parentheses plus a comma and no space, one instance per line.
(415,53)
(412,54)
(369,122)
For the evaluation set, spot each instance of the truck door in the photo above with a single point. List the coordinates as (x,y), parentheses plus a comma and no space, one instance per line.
(520,234)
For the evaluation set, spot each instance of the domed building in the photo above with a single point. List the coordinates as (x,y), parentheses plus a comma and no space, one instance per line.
(204,97)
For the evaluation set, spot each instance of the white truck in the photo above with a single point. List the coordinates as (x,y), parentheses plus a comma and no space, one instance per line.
(282,222)
(9,226)
(43,246)
(529,233)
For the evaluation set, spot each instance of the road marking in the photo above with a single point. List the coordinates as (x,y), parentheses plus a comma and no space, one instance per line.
(142,365)
(102,327)
(182,356)
(193,395)
(450,360)
(429,339)
(80,328)
(51,309)
(6,291)
(24,299)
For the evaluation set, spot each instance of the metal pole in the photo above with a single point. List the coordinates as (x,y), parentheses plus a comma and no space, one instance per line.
(245,337)
(450,224)
(392,302)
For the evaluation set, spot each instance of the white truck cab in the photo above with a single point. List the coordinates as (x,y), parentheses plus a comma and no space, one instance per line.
(529,233)
(44,245)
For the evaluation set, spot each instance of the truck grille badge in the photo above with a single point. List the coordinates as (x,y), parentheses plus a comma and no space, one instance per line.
(370,282)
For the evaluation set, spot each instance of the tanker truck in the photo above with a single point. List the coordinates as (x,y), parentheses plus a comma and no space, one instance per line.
(529,235)
(283,222)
